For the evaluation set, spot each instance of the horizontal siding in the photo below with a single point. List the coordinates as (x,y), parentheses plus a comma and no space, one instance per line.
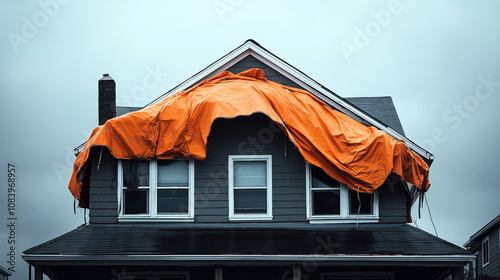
(492,269)
(232,137)
(392,204)
(251,62)
(103,188)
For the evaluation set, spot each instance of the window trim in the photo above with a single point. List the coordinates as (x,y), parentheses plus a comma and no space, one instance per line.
(153,216)
(269,193)
(487,241)
(344,216)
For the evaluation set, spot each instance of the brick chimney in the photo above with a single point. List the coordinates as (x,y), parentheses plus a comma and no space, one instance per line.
(107,98)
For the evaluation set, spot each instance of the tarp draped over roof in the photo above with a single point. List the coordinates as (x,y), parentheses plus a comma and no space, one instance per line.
(361,157)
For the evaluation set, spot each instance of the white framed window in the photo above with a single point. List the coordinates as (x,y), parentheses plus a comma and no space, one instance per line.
(156,190)
(250,187)
(329,201)
(485,251)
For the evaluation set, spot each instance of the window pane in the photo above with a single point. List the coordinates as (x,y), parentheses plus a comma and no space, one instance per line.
(322,180)
(172,201)
(136,201)
(250,173)
(173,173)
(135,173)
(486,252)
(366,203)
(326,202)
(250,201)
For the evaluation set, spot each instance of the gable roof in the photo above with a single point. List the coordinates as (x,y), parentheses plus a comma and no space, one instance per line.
(250,47)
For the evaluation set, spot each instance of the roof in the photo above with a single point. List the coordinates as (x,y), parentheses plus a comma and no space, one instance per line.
(341,242)
(4,271)
(484,230)
(251,47)
(381,108)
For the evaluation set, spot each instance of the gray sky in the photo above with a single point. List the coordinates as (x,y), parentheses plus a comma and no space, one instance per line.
(438,60)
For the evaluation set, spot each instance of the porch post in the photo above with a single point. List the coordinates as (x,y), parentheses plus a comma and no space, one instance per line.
(218,274)
(296,273)
(38,273)
(458,273)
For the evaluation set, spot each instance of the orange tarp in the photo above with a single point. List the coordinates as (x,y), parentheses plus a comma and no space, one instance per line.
(359,156)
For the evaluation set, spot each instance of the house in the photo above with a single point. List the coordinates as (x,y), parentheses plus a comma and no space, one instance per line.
(265,174)
(4,273)
(485,244)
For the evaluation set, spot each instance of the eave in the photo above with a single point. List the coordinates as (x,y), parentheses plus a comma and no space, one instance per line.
(352,260)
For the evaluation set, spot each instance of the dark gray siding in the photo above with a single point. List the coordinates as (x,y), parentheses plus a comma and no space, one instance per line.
(492,269)
(251,62)
(245,136)
(103,188)
(392,203)
(240,136)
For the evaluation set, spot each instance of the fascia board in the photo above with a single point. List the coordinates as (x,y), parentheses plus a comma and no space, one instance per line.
(318,258)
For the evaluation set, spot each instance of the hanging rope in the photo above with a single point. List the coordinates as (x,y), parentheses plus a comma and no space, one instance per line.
(100,156)
(359,209)
(430,215)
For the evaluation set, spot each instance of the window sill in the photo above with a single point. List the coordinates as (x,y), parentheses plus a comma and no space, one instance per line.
(158,219)
(250,218)
(346,220)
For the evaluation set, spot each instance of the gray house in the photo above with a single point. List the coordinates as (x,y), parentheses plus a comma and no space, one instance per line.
(253,208)
(485,244)
(4,273)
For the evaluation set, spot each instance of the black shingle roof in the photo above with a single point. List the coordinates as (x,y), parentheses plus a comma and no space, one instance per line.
(381,108)
(209,240)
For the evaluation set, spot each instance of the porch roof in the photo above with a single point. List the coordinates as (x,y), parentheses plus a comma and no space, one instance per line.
(339,242)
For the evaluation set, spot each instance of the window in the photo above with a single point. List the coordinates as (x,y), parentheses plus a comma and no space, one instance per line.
(328,200)
(250,187)
(156,189)
(485,246)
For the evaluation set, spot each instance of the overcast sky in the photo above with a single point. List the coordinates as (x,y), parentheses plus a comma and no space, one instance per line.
(439,61)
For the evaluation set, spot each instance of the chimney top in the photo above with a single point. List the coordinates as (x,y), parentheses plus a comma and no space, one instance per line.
(107,98)
(106,76)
